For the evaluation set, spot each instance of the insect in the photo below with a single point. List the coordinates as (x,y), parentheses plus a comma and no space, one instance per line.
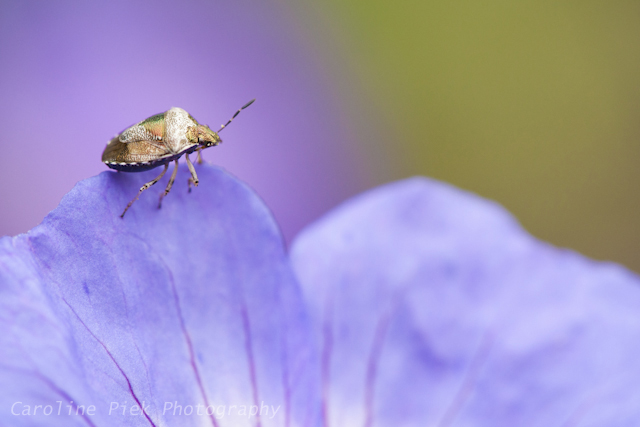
(160,140)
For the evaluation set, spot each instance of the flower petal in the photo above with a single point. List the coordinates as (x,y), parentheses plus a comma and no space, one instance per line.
(192,304)
(435,308)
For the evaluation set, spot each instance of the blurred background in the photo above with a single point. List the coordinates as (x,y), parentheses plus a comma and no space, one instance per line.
(533,104)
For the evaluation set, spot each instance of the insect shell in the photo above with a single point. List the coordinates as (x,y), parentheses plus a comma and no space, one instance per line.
(158,141)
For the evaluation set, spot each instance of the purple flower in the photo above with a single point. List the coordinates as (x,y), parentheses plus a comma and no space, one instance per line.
(413,305)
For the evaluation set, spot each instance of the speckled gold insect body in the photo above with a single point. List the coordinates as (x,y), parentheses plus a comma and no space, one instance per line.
(158,141)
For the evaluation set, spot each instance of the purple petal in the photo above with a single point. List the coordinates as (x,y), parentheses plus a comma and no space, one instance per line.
(194,303)
(435,308)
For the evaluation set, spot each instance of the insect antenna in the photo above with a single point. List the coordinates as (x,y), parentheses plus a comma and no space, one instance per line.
(236,114)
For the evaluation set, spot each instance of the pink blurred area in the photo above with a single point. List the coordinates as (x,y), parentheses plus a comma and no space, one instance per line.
(73,74)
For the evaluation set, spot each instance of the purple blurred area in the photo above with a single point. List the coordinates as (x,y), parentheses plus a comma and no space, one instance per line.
(73,74)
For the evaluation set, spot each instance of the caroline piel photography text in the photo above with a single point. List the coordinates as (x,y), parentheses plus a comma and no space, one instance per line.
(175,408)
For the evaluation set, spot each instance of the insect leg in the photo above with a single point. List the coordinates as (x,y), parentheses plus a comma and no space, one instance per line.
(144,187)
(199,160)
(170,184)
(194,176)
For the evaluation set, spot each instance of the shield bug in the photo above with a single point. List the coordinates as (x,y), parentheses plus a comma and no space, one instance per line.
(158,141)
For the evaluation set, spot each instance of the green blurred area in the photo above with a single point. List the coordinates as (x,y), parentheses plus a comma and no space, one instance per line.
(534,104)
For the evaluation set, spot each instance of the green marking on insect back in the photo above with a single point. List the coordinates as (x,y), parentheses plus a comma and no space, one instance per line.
(153,119)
